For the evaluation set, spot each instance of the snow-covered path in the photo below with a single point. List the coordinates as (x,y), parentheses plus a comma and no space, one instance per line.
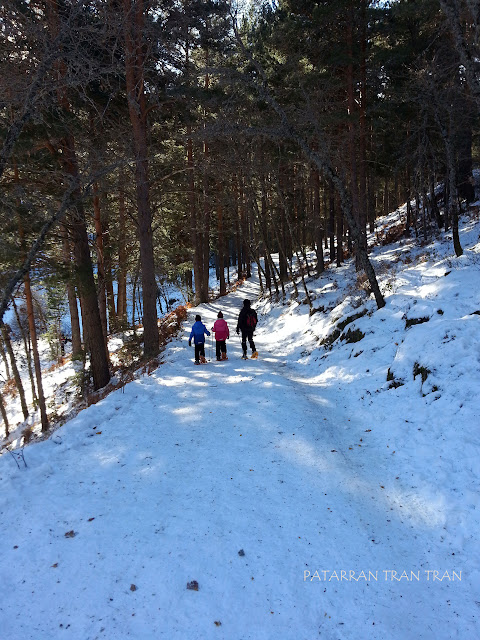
(242,476)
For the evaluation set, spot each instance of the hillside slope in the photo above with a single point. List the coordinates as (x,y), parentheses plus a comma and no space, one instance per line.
(289,488)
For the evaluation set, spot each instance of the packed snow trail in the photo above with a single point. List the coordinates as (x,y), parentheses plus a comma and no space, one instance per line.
(235,475)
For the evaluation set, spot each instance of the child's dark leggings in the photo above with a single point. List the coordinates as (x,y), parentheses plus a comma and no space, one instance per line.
(220,347)
(199,351)
(247,334)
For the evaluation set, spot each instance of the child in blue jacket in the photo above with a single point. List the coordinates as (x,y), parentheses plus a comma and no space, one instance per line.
(198,334)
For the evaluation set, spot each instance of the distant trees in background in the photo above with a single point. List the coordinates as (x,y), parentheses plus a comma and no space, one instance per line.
(144,141)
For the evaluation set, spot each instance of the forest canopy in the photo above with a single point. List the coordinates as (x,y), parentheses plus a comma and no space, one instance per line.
(145,142)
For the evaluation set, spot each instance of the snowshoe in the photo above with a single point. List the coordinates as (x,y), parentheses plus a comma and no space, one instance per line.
(255,355)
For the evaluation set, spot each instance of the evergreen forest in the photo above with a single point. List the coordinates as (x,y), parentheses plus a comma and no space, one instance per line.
(146,144)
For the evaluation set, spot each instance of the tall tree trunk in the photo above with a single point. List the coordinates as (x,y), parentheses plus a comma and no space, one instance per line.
(16,373)
(263,230)
(122,256)
(107,267)
(134,293)
(92,325)
(317,222)
(433,201)
(195,231)
(339,249)
(238,231)
(362,130)
(4,416)
(386,199)
(221,241)
(4,358)
(204,235)
(331,220)
(352,127)
(71,295)
(102,298)
(134,69)
(33,330)
(245,231)
(36,356)
(452,186)
(28,354)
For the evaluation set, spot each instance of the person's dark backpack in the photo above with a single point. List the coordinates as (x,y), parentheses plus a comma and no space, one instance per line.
(251,320)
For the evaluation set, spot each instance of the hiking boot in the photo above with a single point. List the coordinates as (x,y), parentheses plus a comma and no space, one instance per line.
(224,356)
(203,360)
(255,354)
(244,357)
(197,361)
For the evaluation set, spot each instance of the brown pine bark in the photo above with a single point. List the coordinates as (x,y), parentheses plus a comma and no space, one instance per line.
(107,267)
(28,353)
(33,331)
(452,191)
(4,358)
(101,292)
(36,357)
(263,233)
(72,296)
(352,127)
(362,124)
(207,208)
(195,227)
(317,222)
(221,241)
(122,256)
(134,22)
(339,249)
(3,412)
(203,236)
(238,231)
(16,374)
(92,326)
(331,220)
(243,220)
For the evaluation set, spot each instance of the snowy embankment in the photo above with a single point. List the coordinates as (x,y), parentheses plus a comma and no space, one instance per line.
(289,489)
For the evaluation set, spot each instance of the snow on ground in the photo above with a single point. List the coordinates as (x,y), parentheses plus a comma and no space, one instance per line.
(306,494)
(61,387)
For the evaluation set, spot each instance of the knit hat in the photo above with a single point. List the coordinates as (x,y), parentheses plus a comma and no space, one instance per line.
(220,314)
(198,318)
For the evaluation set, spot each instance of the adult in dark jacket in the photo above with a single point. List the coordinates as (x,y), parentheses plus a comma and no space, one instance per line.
(246,323)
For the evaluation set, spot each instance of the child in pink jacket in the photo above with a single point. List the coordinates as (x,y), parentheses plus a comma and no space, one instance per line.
(222,332)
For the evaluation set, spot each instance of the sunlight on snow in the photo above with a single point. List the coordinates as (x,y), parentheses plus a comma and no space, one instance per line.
(418,508)
(186,414)
(304,454)
(174,381)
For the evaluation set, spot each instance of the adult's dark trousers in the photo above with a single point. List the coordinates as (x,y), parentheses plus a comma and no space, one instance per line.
(199,351)
(247,334)
(220,347)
